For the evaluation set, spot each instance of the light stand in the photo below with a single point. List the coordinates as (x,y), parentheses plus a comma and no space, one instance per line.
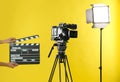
(61,58)
(100,54)
(99,16)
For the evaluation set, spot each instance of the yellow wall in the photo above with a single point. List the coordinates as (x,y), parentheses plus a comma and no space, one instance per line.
(20,18)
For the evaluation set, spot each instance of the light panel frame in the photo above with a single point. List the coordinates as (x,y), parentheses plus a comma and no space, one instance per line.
(99,15)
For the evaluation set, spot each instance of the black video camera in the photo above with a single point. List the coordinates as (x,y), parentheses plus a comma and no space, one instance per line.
(64,31)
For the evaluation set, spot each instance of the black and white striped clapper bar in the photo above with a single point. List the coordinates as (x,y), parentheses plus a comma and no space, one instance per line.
(25,53)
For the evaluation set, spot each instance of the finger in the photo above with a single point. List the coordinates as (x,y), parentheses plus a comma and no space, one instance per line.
(15,64)
(13,39)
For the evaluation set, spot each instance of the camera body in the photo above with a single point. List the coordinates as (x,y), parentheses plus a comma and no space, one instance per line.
(64,32)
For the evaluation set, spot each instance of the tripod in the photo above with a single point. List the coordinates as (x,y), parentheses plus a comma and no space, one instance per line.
(61,58)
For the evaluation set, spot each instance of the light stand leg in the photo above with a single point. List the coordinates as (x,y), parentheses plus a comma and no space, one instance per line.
(100,54)
(53,69)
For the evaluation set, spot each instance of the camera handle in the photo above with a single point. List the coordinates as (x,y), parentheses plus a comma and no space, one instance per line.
(52,49)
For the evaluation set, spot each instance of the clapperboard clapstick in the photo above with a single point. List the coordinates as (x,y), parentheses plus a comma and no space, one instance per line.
(25,53)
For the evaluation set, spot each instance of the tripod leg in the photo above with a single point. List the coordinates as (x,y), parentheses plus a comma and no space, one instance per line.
(53,69)
(59,71)
(69,68)
(66,75)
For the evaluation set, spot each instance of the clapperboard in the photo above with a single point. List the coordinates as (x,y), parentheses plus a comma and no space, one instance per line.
(25,53)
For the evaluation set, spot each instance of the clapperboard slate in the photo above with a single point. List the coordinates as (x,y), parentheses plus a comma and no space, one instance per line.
(25,53)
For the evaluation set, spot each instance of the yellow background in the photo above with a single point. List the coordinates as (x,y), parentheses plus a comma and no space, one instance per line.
(21,18)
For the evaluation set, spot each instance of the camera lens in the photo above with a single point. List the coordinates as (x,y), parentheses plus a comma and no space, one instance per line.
(73,34)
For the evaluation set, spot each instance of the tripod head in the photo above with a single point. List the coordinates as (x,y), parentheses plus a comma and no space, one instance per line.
(61,46)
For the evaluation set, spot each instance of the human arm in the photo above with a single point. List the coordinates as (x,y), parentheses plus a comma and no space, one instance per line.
(7,40)
(9,64)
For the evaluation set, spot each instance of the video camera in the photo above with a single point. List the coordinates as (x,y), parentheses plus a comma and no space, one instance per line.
(64,31)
